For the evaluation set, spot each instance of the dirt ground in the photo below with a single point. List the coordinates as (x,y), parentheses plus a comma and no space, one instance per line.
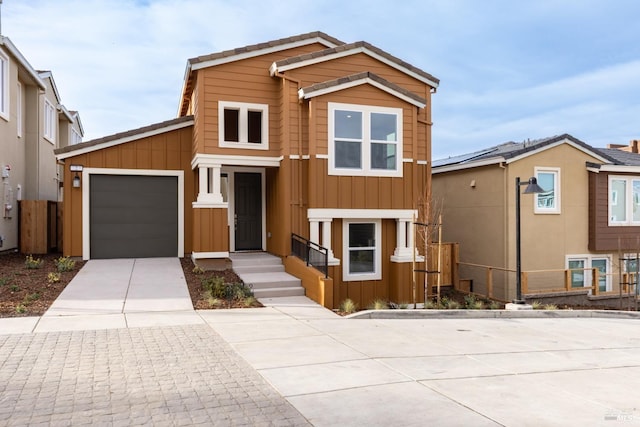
(28,292)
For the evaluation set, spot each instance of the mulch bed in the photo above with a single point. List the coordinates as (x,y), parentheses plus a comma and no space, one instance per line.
(27,292)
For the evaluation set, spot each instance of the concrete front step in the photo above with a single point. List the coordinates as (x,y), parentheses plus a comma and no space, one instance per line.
(258,269)
(266,276)
(278,292)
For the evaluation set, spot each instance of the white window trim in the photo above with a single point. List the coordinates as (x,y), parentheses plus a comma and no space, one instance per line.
(557,209)
(19,116)
(86,207)
(377,259)
(588,259)
(4,90)
(75,137)
(244,108)
(49,131)
(628,197)
(366,111)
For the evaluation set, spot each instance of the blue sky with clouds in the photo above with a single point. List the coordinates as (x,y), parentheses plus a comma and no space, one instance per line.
(509,70)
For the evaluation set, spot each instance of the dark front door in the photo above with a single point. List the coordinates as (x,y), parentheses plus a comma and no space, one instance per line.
(248,211)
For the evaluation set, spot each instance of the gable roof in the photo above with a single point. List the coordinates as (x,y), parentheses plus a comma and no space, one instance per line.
(621,157)
(512,151)
(353,49)
(359,79)
(250,51)
(46,74)
(123,137)
(22,61)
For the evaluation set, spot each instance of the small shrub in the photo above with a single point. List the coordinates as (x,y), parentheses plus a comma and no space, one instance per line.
(537,305)
(64,263)
(249,302)
(550,307)
(495,305)
(452,305)
(378,304)
(444,302)
(403,305)
(14,288)
(53,277)
(32,263)
(215,302)
(214,287)
(477,305)
(31,298)
(469,301)
(430,305)
(20,309)
(198,270)
(348,306)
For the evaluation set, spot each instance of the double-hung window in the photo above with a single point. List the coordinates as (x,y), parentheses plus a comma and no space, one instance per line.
(49,122)
(243,125)
(4,86)
(364,140)
(624,200)
(549,181)
(362,250)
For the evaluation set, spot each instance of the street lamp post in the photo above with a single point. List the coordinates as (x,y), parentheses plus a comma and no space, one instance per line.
(532,187)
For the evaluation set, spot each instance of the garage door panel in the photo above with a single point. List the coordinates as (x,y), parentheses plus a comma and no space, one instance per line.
(133,216)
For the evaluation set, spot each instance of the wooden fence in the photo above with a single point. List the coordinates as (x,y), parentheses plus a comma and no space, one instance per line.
(40,228)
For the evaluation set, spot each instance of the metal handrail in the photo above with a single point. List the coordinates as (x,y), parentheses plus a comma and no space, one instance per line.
(313,254)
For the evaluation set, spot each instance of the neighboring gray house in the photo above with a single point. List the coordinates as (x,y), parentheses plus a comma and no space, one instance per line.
(33,122)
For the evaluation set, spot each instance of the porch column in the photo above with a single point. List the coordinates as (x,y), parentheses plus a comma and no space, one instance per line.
(209,185)
(326,238)
(404,241)
(314,231)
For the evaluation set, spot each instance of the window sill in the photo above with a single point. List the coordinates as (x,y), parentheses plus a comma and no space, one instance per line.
(244,145)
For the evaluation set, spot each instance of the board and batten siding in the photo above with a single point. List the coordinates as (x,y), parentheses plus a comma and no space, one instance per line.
(167,151)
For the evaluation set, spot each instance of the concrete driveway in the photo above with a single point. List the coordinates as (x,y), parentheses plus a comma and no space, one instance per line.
(114,293)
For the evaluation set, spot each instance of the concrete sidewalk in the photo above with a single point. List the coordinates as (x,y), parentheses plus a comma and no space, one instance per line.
(444,372)
(116,293)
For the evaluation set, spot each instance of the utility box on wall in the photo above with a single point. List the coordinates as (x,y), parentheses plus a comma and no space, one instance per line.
(39,231)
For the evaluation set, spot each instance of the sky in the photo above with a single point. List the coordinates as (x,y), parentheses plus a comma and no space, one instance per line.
(509,70)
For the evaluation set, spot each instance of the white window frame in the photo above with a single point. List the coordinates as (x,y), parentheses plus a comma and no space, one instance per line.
(4,86)
(556,209)
(49,122)
(19,116)
(377,257)
(366,169)
(588,263)
(75,137)
(244,109)
(613,198)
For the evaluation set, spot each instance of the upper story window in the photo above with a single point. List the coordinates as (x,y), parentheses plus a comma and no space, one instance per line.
(243,125)
(76,138)
(4,86)
(624,200)
(549,180)
(365,140)
(49,122)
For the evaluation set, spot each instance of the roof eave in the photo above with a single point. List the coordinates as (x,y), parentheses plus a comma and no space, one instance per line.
(469,165)
(5,41)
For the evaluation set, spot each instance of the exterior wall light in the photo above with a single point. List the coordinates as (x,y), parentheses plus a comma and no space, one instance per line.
(76,178)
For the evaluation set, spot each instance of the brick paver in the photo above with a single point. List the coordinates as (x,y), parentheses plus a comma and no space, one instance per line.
(181,375)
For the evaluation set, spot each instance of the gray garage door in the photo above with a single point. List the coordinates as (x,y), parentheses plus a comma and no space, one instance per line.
(133,216)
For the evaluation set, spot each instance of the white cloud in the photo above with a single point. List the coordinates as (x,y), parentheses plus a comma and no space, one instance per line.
(508,70)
